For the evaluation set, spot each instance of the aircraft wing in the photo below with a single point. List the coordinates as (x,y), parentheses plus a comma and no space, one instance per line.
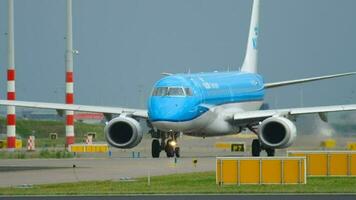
(256,116)
(292,82)
(82,108)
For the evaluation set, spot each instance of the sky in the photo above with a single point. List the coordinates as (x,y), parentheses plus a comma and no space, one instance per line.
(125,45)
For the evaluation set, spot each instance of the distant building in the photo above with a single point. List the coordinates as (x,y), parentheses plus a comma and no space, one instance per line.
(41,115)
(44,114)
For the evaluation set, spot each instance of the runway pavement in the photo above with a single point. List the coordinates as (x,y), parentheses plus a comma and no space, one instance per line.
(198,197)
(44,171)
(17,172)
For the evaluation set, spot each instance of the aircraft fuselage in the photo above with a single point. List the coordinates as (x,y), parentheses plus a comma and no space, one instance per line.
(197,104)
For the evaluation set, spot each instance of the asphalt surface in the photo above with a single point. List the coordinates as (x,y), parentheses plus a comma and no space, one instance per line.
(45,171)
(198,197)
(121,164)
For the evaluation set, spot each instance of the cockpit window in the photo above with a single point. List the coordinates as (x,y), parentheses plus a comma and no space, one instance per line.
(188,92)
(175,91)
(160,91)
(172,91)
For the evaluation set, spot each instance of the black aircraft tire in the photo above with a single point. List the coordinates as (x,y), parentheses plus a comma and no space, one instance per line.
(177,152)
(155,148)
(256,148)
(169,149)
(270,152)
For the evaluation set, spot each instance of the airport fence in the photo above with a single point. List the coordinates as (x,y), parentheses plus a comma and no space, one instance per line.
(328,163)
(260,170)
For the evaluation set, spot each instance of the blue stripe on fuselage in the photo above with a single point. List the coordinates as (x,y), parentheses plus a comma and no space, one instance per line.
(212,89)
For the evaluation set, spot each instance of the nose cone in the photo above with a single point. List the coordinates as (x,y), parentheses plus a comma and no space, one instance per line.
(167,109)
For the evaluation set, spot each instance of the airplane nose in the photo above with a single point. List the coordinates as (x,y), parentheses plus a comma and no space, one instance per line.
(164,110)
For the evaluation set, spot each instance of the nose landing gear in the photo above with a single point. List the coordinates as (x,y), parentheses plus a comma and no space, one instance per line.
(168,145)
(172,149)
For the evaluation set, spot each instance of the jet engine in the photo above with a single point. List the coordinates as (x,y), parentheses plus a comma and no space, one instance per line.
(123,132)
(277,132)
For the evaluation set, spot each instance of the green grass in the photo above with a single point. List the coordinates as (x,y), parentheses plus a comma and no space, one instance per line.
(48,148)
(41,130)
(192,183)
(44,153)
(55,154)
(13,155)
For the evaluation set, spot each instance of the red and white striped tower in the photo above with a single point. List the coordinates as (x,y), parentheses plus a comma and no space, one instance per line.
(69,77)
(11,114)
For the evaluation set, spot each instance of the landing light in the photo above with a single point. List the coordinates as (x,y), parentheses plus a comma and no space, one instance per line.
(173,143)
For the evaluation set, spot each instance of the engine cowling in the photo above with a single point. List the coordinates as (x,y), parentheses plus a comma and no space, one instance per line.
(277,132)
(123,132)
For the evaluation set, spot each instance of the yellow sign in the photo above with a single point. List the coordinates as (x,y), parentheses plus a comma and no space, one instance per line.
(328,144)
(18,144)
(238,147)
(351,146)
(89,148)
(222,145)
(232,146)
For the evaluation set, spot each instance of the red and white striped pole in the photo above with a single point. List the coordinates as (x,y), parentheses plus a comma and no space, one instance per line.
(11,95)
(69,77)
(69,114)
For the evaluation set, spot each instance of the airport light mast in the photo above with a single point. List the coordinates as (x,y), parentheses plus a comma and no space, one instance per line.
(11,112)
(69,76)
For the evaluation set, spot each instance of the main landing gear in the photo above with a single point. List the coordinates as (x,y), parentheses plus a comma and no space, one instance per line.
(155,148)
(164,141)
(257,148)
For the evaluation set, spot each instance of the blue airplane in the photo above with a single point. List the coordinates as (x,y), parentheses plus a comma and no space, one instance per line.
(206,104)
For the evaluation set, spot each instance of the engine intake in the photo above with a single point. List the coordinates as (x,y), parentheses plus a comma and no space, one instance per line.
(277,132)
(123,132)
